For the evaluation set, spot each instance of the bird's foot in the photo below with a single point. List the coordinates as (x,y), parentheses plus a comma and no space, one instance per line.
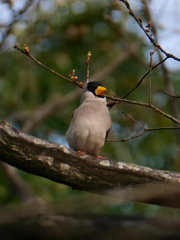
(101,157)
(82,153)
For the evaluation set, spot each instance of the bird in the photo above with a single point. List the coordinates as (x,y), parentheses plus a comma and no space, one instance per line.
(90,122)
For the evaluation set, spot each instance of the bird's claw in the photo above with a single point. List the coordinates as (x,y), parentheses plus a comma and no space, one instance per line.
(102,158)
(82,153)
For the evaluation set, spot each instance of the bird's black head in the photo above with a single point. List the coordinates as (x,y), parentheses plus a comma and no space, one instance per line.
(96,88)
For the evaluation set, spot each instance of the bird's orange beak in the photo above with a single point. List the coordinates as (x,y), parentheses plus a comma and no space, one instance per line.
(100,91)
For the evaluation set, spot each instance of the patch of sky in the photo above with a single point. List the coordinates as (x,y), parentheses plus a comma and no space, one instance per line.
(48,6)
(78,7)
(57,138)
(18,5)
(19,27)
(116,16)
(6,15)
(10,40)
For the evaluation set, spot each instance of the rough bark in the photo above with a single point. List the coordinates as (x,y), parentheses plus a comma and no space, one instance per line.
(58,163)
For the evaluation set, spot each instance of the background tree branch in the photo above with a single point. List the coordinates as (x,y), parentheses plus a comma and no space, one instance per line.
(42,221)
(18,186)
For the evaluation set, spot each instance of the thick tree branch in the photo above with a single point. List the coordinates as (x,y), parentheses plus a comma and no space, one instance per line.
(60,164)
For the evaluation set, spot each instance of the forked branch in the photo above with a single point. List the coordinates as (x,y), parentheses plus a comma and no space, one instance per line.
(145,130)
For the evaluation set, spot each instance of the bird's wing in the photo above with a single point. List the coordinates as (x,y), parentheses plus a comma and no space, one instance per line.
(107,133)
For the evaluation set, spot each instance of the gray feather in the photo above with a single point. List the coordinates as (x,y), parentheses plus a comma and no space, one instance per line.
(89,125)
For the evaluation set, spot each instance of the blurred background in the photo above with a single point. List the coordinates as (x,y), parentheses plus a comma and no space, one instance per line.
(60,33)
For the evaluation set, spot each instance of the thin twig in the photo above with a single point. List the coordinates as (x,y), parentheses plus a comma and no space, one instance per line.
(127,115)
(26,52)
(142,133)
(126,139)
(177,96)
(166,78)
(145,105)
(87,66)
(7,29)
(111,104)
(137,85)
(150,70)
(145,130)
(150,100)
